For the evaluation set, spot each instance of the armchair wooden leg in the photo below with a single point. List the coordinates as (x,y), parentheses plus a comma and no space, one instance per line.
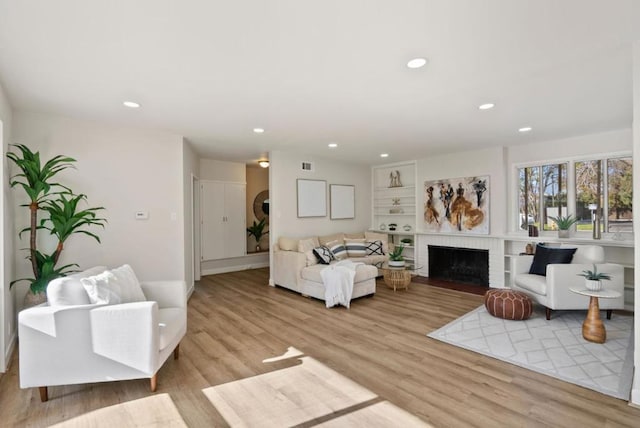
(44,394)
(548,313)
(176,352)
(609,312)
(154,382)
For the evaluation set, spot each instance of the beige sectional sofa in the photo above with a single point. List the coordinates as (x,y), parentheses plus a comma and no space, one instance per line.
(297,269)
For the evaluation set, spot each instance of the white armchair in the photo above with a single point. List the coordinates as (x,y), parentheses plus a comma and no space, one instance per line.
(85,343)
(552,290)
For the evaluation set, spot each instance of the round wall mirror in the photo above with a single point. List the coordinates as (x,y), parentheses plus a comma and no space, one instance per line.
(261,206)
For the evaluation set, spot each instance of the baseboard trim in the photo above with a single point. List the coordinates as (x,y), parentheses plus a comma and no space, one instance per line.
(10,349)
(237,268)
(635,391)
(191,290)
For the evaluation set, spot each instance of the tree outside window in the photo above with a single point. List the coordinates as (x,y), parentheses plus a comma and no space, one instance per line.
(620,195)
(550,181)
(601,186)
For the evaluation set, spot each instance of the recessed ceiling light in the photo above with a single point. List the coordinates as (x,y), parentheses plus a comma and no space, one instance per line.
(384,155)
(486,106)
(333,145)
(417,63)
(525,129)
(258,130)
(131,104)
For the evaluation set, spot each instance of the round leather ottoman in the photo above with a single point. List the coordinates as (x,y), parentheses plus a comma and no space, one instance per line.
(508,304)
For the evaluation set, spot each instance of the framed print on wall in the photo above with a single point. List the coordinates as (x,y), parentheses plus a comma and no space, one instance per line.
(457,205)
(312,198)
(343,203)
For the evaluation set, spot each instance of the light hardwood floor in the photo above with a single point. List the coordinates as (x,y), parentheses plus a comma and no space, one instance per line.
(236,322)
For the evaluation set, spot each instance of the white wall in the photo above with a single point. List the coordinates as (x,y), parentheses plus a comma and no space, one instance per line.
(468,164)
(285,169)
(635,390)
(126,171)
(7,310)
(190,169)
(211,169)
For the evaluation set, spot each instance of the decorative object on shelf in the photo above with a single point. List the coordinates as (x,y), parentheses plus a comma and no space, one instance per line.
(392,226)
(395,201)
(529,249)
(343,202)
(382,226)
(395,256)
(594,278)
(64,216)
(397,210)
(564,224)
(394,179)
(257,231)
(533,230)
(457,205)
(407,241)
(407,227)
(312,198)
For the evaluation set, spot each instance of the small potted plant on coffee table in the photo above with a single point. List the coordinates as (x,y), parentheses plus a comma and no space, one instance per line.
(395,256)
(594,278)
(564,224)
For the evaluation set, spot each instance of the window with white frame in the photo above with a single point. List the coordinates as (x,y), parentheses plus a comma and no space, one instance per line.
(542,194)
(599,186)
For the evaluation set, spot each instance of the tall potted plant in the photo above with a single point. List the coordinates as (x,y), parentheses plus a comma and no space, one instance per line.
(257,231)
(64,217)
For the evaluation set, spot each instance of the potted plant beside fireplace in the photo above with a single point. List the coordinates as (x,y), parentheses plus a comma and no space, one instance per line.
(395,256)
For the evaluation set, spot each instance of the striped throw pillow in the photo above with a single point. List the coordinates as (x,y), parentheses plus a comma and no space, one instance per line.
(338,249)
(356,247)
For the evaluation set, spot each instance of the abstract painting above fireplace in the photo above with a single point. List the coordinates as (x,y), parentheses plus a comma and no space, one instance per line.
(457,205)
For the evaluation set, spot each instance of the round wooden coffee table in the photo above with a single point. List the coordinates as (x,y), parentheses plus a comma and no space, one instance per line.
(593,328)
(398,277)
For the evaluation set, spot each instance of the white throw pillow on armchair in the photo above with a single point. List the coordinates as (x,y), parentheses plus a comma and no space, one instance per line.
(68,290)
(115,286)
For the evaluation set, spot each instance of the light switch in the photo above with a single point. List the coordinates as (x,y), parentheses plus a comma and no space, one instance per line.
(142,215)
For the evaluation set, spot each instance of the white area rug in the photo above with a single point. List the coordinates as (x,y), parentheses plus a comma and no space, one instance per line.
(555,348)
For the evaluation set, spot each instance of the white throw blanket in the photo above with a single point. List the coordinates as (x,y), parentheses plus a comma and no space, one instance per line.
(338,282)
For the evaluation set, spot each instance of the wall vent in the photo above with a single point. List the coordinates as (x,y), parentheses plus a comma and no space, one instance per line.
(307,166)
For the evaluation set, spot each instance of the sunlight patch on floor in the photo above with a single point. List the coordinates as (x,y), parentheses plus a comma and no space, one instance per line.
(154,411)
(307,394)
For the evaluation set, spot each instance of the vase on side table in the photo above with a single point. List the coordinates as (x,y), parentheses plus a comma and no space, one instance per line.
(593,284)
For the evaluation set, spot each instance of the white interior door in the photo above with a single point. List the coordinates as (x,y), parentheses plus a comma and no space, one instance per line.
(212,229)
(195,229)
(235,238)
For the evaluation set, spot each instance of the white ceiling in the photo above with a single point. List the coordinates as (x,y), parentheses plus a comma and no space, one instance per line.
(314,72)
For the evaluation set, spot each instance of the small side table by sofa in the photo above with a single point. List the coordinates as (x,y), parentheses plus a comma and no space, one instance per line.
(593,328)
(398,277)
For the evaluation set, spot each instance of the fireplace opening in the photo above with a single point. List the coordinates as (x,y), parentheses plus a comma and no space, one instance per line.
(464,265)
